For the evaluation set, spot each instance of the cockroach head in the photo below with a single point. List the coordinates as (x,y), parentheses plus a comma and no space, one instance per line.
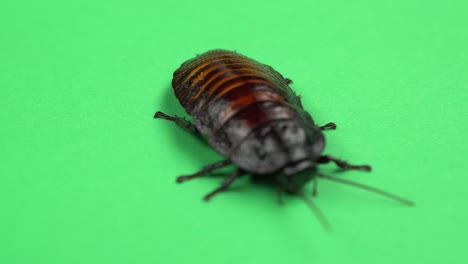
(294,176)
(280,146)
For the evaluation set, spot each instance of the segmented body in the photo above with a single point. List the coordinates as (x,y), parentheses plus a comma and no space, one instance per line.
(229,96)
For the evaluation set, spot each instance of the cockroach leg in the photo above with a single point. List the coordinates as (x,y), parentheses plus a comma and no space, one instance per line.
(279,194)
(314,187)
(179,121)
(225,184)
(204,170)
(288,81)
(342,164)
(328,126)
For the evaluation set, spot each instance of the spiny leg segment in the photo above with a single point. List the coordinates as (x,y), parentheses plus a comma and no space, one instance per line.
(343,164)
(328,126)
(179,121)
(204,170)
(237,173)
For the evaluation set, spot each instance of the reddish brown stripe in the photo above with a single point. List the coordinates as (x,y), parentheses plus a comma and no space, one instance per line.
(218,92)
(240,69)
(206,79)
(204,62)
(229,77)
(186,70)
(260,113)
(253,116)
(207,56)
(196,77)
(216,75)
(236,84)
(243,100)
(207,61)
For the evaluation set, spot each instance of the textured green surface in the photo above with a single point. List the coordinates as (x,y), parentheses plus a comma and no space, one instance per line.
(87,176)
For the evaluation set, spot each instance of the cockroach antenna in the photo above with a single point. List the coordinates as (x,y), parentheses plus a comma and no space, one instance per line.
(368,188)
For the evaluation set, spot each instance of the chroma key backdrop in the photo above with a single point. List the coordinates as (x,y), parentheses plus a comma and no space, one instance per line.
(88,176)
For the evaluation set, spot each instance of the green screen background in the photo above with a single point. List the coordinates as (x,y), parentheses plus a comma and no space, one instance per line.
(87,176)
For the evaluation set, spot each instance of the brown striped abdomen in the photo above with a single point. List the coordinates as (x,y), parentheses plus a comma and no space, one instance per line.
(229,95)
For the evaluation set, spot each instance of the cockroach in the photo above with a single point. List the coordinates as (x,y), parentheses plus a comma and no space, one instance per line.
(248,113)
